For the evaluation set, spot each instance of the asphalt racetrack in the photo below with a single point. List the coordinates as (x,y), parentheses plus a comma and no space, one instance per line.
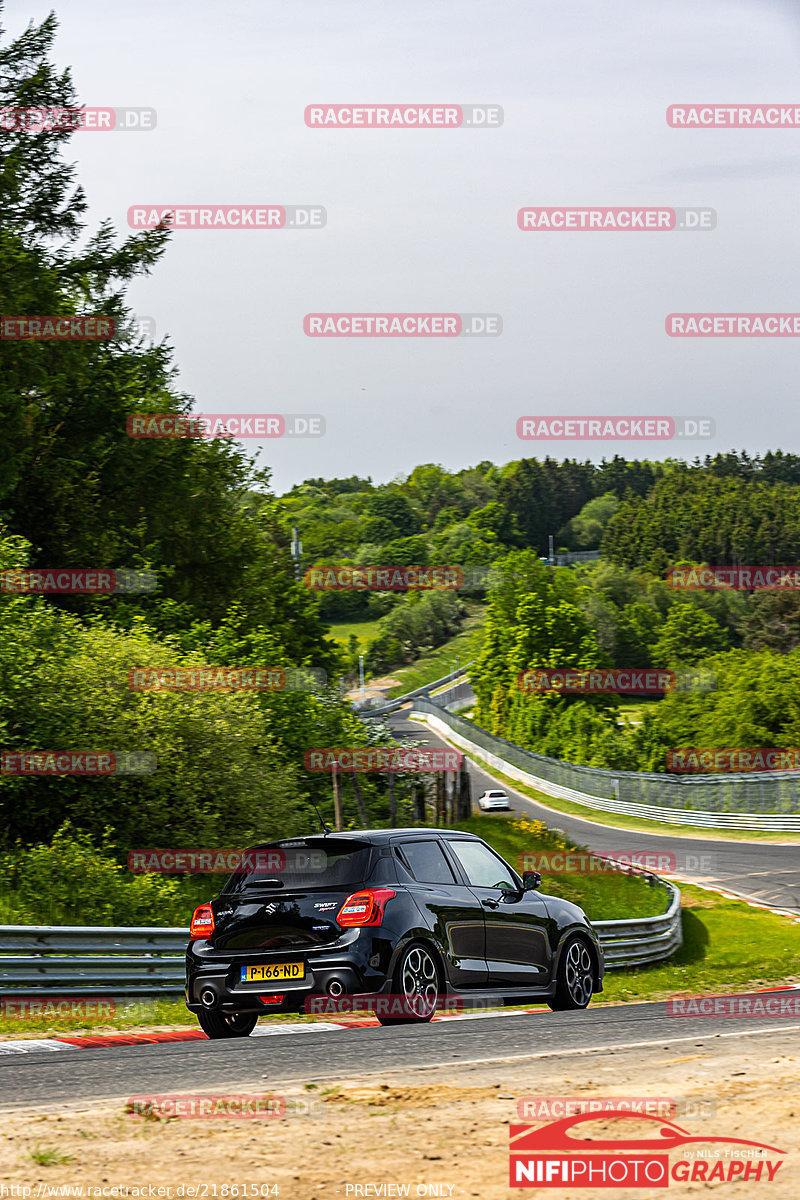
(68,1077)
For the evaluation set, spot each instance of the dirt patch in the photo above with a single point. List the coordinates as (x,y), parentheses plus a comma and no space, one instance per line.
(431,1095)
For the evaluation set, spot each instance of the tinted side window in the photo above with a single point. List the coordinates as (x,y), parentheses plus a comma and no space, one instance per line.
(427,862)
(482,867)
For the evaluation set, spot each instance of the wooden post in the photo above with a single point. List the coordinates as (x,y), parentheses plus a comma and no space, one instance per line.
(464,792)
(392,802)
(338,822)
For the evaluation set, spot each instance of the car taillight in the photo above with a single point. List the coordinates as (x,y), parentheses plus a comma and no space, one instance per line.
(202,922)
(364,908)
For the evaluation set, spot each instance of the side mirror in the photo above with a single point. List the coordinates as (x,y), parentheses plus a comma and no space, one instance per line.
(531,880)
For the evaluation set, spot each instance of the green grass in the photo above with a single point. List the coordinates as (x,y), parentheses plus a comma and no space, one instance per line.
(363,630)
(728,946)
(637,824)
(606,897)
(49,1158)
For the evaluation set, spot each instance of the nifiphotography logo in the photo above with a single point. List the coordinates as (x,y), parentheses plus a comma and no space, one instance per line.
(553,1156)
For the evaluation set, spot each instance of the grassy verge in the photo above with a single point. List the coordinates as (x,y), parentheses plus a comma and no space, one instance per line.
(363,630)
(728,946)
(635,824)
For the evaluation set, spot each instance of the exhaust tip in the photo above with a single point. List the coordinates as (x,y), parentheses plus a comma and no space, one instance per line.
(208,998)
(335,987)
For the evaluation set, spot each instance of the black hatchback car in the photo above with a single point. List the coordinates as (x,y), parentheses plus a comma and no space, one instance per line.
(429,915)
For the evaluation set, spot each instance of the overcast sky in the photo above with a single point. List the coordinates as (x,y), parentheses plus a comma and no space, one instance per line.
(425,220)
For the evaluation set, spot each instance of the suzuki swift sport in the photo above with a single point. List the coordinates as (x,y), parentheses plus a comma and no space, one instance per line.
(428,915)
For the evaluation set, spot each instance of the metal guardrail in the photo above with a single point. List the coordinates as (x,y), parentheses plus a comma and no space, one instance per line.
(762,800)
(75,960)
(576,556)
(455,698)
(641,940)
(97,961)
(425,690)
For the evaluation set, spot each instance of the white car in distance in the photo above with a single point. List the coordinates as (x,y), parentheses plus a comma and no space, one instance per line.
(491,801)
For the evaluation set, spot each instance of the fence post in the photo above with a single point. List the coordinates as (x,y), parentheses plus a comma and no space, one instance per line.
(392,802)
(338,820)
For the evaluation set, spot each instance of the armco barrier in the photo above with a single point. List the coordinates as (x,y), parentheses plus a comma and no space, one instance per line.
(74,960)
(761,800)
(86,961)
(398,702)
(641,940)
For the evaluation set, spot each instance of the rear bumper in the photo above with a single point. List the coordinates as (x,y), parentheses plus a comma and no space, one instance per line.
(359,966)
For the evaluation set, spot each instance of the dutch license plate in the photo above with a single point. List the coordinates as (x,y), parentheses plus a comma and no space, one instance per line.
(266,971)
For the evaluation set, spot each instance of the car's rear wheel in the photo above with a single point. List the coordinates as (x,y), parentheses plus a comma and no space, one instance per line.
(415,986)
(227,1025)
(575,977)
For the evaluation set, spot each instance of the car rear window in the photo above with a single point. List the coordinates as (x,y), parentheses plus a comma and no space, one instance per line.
(426,861)
(314,865)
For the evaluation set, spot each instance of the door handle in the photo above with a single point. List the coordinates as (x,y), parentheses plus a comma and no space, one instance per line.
(488,902)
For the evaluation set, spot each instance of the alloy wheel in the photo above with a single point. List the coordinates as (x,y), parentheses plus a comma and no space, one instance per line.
(578,973)
(420,980)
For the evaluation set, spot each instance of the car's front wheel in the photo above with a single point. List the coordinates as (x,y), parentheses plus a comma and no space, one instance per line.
(575,977)
(415,986)
(227,1025)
